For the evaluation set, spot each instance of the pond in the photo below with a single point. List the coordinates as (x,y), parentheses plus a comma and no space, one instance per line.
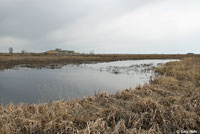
(31,85)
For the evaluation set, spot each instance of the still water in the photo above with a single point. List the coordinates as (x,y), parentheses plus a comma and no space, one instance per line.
(73,81)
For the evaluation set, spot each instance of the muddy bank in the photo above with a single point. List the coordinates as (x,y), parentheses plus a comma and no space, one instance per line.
(170,104)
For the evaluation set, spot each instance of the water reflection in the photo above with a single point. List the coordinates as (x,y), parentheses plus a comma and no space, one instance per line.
(73,81)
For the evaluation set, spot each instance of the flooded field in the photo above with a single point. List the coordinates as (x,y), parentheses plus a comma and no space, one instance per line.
(31,85)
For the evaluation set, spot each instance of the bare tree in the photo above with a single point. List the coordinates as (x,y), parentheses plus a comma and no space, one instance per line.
(10,50)
(91,52)
(23,51)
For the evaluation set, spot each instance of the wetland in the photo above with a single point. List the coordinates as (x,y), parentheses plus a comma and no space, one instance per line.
(33,85)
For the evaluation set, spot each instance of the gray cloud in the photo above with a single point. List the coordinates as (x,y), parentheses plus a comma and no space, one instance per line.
(110,26)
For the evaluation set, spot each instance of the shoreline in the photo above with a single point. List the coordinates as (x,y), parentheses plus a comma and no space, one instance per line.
(33,60)
(170,103)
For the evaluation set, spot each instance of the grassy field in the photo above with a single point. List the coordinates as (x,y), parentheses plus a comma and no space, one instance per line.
(42,60)
(168,104)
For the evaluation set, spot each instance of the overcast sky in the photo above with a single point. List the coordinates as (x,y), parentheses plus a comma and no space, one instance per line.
(102,26)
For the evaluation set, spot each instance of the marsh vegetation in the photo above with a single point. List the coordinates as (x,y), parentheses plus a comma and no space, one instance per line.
(169,104)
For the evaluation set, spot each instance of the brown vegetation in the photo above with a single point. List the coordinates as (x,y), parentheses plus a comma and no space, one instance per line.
(169,104)
(43,59)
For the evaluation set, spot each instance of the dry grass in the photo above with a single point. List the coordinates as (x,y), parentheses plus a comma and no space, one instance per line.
(169,104)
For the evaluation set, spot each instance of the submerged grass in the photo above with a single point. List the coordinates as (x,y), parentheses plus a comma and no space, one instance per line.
(168,104)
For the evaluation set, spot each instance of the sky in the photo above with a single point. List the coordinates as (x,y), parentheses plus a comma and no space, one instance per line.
(101,26)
